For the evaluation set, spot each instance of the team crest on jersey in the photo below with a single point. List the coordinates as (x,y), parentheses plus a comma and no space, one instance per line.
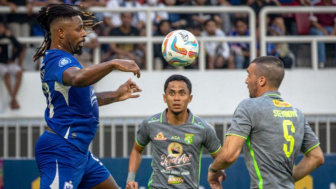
(68,185)
(189,138)
(64,61)
(160,136)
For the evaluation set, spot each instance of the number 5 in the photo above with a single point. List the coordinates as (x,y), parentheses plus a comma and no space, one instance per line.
(289,138)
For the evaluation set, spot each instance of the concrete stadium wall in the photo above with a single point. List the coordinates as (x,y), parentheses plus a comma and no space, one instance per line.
(215,92)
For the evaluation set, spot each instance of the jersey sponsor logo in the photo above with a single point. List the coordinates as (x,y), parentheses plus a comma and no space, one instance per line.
(189,138)
(175,180)
(175,138)
(160,136)
(64,61)
(281,104)
(153,120)
(175,149)
(68,185)
(176,157)
(170,162)
(174,172)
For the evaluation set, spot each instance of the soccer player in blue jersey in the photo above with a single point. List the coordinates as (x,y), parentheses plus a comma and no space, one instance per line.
(271,132)
(62,154)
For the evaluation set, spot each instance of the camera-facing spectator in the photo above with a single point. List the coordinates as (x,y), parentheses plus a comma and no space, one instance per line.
(163,28)
(240,50)
(218,53)
(130,51)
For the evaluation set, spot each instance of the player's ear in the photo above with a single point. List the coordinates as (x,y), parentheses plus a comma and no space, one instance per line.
(262,81)
(164,97)
(60,32)
(190,98)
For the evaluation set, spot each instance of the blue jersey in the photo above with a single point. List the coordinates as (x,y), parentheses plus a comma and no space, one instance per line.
(72,112)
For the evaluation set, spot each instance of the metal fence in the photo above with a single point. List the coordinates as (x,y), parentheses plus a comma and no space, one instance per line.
(115,135)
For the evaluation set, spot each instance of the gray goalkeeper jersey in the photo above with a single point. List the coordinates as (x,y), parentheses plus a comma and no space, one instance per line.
(275,133)
(176,149)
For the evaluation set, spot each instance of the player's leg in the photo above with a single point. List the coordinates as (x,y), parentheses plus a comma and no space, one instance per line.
(107,184)
(97,176)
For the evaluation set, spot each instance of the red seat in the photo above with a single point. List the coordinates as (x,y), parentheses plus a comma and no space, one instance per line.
(303,23)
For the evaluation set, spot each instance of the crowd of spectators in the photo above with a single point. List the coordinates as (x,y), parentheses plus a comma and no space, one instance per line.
(219,55)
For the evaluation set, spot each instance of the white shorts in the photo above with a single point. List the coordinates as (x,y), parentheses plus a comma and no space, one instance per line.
(9,68)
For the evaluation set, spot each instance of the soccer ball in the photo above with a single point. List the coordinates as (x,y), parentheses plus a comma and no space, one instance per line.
(180,48)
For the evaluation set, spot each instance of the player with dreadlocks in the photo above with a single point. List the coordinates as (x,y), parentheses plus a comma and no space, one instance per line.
(72,118)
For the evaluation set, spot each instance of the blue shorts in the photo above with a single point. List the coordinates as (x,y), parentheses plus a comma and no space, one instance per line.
(63,166)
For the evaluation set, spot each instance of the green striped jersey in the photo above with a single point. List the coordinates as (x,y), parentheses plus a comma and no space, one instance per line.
(275,133)
(176,149)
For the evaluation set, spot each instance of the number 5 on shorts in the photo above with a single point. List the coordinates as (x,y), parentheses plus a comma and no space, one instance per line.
(289,138)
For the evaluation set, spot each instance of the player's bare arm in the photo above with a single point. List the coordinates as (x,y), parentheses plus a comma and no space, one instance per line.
(225,158)
(309,162)
(134,163)
(229,152)
(221,174)
(77,77)
(125,91)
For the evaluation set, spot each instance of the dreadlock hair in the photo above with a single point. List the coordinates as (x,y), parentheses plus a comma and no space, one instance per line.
(54,12)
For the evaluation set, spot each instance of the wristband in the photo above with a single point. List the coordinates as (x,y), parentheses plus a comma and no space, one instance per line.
(130,177)
(212,170)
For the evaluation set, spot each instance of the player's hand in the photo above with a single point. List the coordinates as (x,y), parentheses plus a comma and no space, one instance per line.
(127,90)
(215,179)
(126,66)
(132,185)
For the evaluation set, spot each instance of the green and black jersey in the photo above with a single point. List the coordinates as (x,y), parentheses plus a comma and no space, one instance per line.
(275,133)
(177,150)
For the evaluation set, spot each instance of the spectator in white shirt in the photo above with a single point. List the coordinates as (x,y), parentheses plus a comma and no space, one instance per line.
(218,53)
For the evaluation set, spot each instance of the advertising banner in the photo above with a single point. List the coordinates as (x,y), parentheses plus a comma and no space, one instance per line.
(18,174)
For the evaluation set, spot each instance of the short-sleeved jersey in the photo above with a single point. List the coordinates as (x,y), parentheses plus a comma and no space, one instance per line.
(177,150)
(71,112)
(275,133)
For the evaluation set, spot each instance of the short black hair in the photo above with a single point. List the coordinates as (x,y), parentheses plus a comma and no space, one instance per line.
(240,20)
(54,12)
(177,77)
(209,20)
(162,22)
(270,67)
